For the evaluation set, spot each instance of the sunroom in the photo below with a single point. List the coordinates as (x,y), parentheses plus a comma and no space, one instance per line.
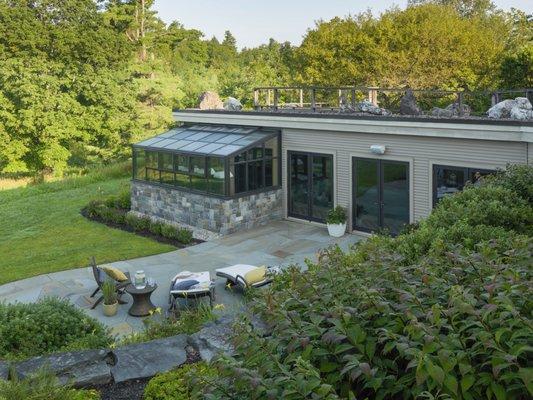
(212,160)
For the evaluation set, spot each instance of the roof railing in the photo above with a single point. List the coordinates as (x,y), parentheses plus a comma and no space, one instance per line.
(316,97)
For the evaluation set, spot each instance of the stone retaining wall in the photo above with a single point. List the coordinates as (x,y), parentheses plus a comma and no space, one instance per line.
(222,216)
(92,368)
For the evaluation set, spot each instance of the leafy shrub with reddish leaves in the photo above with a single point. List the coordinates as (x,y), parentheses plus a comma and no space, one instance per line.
(390,320)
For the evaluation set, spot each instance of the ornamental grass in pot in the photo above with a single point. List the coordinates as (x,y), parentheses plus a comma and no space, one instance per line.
(110,298)
(336,221)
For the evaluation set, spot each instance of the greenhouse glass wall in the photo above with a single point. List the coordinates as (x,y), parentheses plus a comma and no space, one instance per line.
(223,161)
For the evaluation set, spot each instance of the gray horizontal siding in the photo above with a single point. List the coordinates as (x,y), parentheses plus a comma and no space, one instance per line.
(421,151)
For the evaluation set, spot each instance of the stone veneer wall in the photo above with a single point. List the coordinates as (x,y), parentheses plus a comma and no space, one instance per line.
(223,216)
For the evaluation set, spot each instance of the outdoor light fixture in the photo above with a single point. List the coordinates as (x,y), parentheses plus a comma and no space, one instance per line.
(377,149)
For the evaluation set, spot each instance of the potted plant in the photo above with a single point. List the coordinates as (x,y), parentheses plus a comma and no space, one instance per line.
(110,298)
(336,221)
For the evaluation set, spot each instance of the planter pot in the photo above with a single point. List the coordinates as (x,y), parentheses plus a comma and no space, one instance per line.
(110,309)
(336,230)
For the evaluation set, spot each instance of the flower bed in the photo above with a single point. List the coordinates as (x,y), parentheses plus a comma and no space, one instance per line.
(114,212)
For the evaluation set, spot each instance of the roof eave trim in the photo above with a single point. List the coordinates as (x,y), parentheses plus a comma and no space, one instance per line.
(479,130)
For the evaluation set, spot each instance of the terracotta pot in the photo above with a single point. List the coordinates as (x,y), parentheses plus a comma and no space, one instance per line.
(336,230)
(110,309)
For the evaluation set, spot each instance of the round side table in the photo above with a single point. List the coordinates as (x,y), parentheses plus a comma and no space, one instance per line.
(142,305)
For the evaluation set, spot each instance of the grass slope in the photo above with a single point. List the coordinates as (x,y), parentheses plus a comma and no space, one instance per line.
(42,230)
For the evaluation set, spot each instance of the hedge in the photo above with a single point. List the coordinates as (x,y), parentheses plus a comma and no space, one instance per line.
(442,311)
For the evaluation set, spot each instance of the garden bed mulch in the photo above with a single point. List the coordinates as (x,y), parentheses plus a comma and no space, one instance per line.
(144,233)
(130,390)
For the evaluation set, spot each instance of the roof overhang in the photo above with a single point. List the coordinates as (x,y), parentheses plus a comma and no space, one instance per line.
(477,129)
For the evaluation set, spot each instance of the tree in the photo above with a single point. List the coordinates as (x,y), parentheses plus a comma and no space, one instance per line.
(517,69)
(64,92)
(136,20)
(466,8)
(426,46)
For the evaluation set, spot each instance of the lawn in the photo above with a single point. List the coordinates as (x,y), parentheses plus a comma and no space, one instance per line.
(42,230)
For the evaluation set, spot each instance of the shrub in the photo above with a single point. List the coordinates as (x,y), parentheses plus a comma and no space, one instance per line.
(110,201)
(138,224)
(113,215)
(185,383)
(42,385)
(169,231)
(336,215)
(47,326)
(516,178)
(156,227)
(188,321)
(184,236)
(123,200)
(442,311)
(94,208)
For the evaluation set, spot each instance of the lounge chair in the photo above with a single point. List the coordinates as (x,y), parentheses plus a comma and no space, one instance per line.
(235,274)
(193,285)
(100,277)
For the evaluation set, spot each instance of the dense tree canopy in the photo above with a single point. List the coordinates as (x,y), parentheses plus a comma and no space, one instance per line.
(81,79)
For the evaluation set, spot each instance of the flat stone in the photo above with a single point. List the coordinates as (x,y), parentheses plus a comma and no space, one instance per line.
(81,368)
(144,360)
(214,338)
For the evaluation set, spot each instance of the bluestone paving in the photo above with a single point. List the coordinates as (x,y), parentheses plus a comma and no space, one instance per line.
(279,243)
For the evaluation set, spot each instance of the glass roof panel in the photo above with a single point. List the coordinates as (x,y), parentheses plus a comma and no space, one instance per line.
(206,139)
(208,148)
(244,141)
(165,142)
(178,144)
(193,146)
(214,137)
(150,141)
(199,136)
(229,138)
(226,150)
(184,135)
(168,134)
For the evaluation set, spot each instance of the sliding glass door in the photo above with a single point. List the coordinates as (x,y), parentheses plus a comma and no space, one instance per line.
(380,195)
(310,185)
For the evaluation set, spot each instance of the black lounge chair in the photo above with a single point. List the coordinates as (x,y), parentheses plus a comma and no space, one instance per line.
(100,277)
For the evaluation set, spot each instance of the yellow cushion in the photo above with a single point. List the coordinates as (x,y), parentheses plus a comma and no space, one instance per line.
(115,273)
(255,275)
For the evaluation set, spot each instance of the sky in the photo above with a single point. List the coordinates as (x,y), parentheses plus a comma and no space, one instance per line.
(253,22)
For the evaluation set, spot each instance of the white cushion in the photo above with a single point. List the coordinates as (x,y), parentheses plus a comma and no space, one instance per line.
(234,270)
(203,278)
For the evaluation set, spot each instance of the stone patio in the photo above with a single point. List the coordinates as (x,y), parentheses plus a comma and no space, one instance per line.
(279,243)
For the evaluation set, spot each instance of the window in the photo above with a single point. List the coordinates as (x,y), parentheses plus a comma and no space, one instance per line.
(448,179)
(255,169)
(198,178)
(139,164)
(182,164)
(217,160)
(217,175)
(166,161)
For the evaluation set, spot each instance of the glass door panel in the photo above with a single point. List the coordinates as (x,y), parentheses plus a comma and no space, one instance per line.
(381,195)
(322,186)
(395,198)
(299,184)
(367,208)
